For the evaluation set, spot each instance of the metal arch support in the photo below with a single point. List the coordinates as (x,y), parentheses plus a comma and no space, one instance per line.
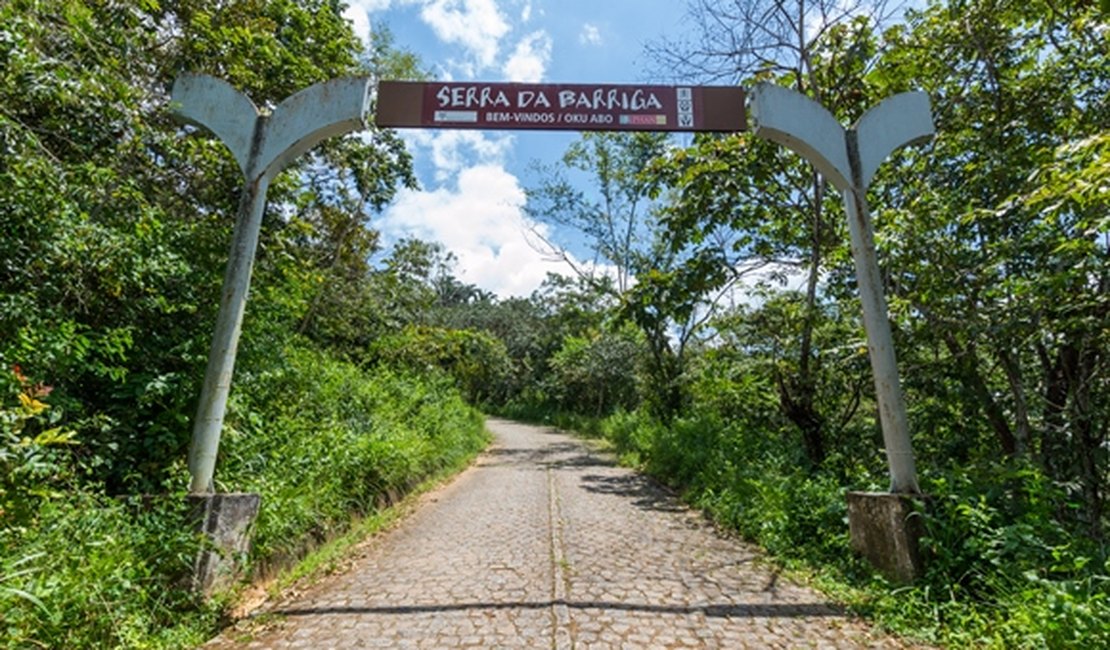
(262,145)
(848,159)
(309,117)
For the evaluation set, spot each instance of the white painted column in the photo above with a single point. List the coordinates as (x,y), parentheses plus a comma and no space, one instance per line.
(880,348)
(848,159)
(262,145)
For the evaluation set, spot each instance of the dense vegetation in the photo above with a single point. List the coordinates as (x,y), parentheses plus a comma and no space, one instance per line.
(718,346)
(755,398)
(115,225)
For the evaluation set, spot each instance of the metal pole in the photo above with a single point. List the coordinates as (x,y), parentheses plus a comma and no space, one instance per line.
(880,346)
(225,339)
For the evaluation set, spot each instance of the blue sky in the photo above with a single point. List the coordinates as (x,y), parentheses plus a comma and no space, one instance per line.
(472,193)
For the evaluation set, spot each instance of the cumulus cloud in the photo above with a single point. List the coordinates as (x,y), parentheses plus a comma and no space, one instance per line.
(476,209)
(590,35)
(529,60)
(360,22)
(477,25)
(450,151)
(358,12)
(472,204)
(481,220)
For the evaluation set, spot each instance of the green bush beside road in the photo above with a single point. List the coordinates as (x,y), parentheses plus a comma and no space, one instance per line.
(321,440)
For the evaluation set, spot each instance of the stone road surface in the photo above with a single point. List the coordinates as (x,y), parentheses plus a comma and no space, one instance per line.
(545,544)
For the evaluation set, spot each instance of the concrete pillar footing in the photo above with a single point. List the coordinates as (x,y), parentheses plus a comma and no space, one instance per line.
(226,520)
(885,529)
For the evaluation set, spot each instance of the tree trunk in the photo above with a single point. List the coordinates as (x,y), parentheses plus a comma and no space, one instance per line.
(967,367)
(1079,366)
(796,393)
(1021,408)
(1053,448)
(796,403)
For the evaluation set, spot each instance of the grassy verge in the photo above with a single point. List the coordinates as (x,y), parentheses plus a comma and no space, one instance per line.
(323,441)
(1001,572)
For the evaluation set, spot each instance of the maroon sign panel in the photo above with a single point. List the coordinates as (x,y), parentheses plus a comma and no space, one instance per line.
(574,107)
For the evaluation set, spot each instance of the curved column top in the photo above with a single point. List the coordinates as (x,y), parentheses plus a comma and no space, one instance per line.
(895,122)
(297,124)
(805,127)
(311,116)
(214,104)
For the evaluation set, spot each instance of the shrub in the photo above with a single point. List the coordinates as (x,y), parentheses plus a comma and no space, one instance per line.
(1002,571)
(319,439)
(94,572)
(478,362)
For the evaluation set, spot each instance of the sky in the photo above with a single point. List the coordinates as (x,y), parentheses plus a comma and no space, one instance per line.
(472,193)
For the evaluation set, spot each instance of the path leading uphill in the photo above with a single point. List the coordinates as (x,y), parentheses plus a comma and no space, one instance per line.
(544,544)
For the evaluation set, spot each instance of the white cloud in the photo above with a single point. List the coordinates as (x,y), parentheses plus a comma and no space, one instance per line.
(821,15)
(477,25)
(590,35)
(473,205)
(528,62)
(358,12)
(480,220)
(360,22)
(450,151)
(476,211)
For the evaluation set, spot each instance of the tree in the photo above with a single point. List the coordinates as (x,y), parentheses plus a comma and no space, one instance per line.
(596,374)
(117,221)
(614,214)
(745,203)
(1002,265)
(620,223)
(476,361)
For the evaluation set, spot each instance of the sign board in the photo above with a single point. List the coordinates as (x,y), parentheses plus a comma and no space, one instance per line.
(572,107)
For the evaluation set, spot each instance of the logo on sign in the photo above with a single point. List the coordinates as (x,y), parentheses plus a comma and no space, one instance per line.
(644,120)
(685,107)
(456,116)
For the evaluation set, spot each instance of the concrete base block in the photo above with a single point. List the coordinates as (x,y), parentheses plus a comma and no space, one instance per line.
(226,521)
(885,529)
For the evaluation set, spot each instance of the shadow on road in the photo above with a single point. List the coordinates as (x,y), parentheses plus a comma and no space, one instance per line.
(640,490)
(553,456)
(753,610)
(561,453)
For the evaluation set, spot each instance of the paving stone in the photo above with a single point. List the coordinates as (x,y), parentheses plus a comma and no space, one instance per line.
(546,544)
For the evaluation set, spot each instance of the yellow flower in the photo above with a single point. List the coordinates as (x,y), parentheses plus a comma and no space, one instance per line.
(31,404)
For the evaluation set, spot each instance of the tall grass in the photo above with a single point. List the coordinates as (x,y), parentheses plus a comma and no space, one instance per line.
(96,572)
(320,439)
(1002,572)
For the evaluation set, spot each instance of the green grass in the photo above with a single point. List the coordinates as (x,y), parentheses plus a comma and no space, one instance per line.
(324,442)
(1001,573)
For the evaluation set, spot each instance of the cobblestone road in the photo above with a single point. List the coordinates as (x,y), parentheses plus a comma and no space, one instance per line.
(544,544)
